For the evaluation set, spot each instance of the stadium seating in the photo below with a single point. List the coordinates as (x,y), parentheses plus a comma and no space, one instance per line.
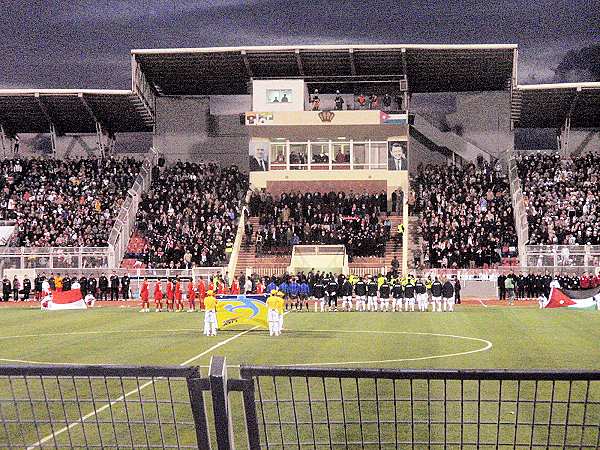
(355,220)
(561,196)
(466,215)
(64,202)
(189,216)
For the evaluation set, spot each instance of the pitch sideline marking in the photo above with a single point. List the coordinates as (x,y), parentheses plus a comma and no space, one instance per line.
(484,305)
(487,346)
(134,391)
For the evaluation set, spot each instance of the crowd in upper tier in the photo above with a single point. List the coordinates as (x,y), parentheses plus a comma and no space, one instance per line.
(189,216)
(466,215)
(64,202)
(359,221)
(561,197)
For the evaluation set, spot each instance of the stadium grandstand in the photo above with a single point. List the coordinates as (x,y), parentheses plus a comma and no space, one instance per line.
(282,180)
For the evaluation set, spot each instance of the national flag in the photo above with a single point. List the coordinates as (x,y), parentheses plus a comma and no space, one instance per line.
(71,299)
(235,310)
(394,118)
(582,299)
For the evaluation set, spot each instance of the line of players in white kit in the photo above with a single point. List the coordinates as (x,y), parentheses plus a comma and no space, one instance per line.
(370,294)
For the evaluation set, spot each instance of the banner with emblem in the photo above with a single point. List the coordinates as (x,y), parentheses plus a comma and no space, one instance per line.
(235,310)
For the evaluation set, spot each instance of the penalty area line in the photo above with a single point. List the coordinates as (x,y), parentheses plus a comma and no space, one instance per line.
(93,413)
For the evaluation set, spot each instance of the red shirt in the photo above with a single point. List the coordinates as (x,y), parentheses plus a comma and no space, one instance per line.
(584,282)
(202,288)
(170,290)
(144,291)
(191,292)
(158,295)
(235,288)
(260,288)
(178,291)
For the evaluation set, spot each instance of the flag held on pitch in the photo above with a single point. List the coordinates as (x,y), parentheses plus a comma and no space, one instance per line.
(582,299)
(235,310)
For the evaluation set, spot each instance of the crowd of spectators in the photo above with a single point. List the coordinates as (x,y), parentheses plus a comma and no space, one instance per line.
(189,216)
(359,221)
(561,198)
(466,215)
(64,202)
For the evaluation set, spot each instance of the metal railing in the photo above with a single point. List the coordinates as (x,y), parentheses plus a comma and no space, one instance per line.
(296,408)
(375,408)
(55,258)
(85,407)
(125,221)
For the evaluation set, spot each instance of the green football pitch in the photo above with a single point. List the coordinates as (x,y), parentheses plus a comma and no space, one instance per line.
(471,337)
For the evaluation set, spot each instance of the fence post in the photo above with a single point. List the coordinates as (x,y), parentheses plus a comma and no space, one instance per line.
(220,399)
(250,411)
(199,411)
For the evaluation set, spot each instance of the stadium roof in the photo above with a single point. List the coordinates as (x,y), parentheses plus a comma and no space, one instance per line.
(548,105)
(429,68)
(72,111)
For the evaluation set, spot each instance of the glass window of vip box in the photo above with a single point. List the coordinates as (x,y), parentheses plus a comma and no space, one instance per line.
(279,96)
(319,155)
(298,156)
(278,156)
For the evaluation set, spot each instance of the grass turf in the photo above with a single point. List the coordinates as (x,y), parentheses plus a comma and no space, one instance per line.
(520,338)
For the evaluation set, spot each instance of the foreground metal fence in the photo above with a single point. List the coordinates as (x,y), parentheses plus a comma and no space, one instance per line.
(296,408)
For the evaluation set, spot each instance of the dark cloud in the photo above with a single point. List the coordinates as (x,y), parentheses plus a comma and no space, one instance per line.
(86,43)
(579,65)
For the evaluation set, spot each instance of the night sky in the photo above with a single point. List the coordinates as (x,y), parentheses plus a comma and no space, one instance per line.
(85,44)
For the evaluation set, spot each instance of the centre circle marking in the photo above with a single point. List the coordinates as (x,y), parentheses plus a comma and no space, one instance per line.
(488,345)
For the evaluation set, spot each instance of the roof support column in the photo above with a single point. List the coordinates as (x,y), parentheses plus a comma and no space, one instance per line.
(299,62)
(3,139)
(247,63)
(45,112)
(53,138)
(565,131)
(100,131)
(352,63)
(102,147)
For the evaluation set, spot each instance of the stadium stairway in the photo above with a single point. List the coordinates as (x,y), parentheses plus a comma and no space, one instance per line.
(262,265)
(135,249)
(414,239)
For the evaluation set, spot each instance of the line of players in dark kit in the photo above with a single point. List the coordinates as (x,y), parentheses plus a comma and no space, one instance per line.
(334,292)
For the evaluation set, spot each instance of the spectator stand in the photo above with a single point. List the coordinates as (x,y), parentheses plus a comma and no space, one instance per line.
(572,109)
(543,254)
(466,217)
(67,257)
(189,217)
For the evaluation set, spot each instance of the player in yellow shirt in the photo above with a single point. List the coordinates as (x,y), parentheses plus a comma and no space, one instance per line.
(273,312)
(210,314)
(280,310)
